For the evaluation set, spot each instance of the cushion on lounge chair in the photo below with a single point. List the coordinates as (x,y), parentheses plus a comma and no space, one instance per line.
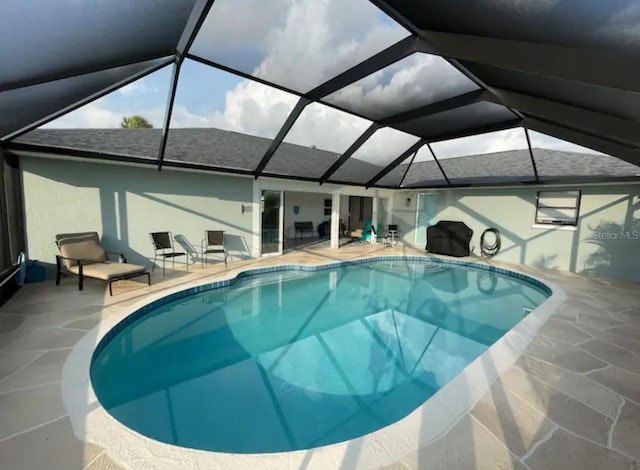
(85,246)
(357,233)
(107,270)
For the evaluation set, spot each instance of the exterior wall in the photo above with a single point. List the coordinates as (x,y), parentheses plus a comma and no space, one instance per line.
(404,206)
(311,210)
(605,243)
(123,204)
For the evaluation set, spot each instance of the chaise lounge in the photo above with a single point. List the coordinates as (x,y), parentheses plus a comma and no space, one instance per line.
(83,254)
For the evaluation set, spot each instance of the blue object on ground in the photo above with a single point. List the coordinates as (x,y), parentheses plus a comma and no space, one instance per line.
(323,229)
(35,272)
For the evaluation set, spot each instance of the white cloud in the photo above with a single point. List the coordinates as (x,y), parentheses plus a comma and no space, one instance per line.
(236,24)
(299,44)
(257,109)
(326,128)
(500,141)
(415,81)
(621,27)
(319,40)
(250,108)
(182,117)
(139,87)
(546,141)
(131,88)
(384,146)
(98,115)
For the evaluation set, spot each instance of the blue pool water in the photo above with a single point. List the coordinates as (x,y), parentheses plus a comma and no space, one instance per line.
(296,359)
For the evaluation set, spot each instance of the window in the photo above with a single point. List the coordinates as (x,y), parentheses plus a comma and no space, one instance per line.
(327,207)
(558,207)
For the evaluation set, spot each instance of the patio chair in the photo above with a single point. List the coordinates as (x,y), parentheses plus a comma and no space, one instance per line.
(83,254)
(215,241)
(391,235)
(163,248)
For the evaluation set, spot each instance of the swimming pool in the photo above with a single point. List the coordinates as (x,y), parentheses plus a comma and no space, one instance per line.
(297,359)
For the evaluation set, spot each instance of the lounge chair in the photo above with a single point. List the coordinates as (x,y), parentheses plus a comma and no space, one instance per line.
(215,241)
(163,248)
(356,235)
(83,254)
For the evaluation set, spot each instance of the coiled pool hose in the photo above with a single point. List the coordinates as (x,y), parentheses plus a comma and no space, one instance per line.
(490,250)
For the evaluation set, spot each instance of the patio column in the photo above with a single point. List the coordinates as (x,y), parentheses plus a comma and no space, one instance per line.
(374,212)
(335,221)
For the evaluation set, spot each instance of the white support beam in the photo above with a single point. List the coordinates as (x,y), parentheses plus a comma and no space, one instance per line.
(335,221)
(256,222)
(375,201)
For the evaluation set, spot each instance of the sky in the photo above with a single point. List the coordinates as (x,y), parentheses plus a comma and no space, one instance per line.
(297,44)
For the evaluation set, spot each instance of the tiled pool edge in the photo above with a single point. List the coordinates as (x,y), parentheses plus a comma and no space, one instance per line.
(427,423)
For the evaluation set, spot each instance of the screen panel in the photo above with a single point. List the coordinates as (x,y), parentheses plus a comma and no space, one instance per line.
(612,101)
(297,44)
(315,141)
(24,106)
(127,121)
(45,35)
(396,175)
(603,26)
(223,120)
(465,119)
(494,157)
(424,171)
(384,146)
(415,81)
(558,159)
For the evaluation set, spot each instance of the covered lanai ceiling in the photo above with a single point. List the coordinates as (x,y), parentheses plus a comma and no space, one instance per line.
(392,93)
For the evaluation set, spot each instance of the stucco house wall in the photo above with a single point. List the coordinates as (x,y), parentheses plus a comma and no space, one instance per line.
(124,204)
(605,242)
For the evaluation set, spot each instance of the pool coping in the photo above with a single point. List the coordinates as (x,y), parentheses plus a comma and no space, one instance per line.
(92,423)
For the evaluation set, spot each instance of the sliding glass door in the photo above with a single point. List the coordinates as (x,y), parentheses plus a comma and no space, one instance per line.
(271,222)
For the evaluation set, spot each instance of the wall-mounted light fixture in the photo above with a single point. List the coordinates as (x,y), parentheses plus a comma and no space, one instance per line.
(407,202)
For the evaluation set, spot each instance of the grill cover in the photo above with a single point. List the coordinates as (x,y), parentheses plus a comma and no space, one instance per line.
(449,237)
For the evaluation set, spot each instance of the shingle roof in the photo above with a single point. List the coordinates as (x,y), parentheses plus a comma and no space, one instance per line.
(233,150)
(214,147)
(515,166)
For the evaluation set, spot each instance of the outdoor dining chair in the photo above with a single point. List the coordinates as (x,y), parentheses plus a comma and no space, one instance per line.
(215,241)
(163,248)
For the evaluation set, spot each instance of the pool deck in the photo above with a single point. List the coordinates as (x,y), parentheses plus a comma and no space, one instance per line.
(572,401)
